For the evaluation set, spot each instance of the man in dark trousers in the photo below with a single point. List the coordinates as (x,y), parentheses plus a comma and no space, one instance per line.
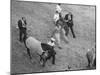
(22,29)
(69,20)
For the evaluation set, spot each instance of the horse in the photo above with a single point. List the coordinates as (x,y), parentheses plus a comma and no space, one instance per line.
(44,50)
(91,57)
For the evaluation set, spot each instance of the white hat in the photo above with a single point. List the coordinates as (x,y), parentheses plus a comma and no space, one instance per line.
(52,39)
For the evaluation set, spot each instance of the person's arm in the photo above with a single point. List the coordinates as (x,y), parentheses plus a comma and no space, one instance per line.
(55,19)
(71,17)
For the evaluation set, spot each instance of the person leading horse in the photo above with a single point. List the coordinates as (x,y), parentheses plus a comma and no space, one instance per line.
(22,28)
(69,20)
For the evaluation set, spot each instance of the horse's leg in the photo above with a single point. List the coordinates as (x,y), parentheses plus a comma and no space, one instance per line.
(44,61)
(71,27)
(92,61)
(25,34)
(63,36)
(28,51)
(88,59)
(57,35)
(53,59)
(20,35)
(40,58)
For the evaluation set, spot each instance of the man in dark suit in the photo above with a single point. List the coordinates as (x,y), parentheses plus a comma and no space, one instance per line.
(22,29)
(69,20)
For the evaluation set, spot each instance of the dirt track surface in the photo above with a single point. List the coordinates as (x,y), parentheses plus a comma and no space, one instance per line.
(40,25)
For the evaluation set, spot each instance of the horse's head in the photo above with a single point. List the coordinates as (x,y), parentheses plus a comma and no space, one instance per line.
(43,58)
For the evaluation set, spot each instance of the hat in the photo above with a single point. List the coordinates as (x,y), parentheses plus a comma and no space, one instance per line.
(56,11)
(52,39)
(59,3)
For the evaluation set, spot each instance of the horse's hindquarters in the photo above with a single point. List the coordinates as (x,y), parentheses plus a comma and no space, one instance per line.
(34,45)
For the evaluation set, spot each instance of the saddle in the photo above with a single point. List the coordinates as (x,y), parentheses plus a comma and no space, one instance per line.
(47,47)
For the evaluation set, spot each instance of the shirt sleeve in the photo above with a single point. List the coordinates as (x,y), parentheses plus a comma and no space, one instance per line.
(55,17)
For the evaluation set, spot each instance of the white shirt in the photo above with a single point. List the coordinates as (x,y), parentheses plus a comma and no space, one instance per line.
(51,43)
(58,8)
(56,17)
(23,24)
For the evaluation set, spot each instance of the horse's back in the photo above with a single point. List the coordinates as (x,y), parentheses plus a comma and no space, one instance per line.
(34,45)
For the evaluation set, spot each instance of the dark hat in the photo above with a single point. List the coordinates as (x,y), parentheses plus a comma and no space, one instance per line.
(23,17)
(59,3)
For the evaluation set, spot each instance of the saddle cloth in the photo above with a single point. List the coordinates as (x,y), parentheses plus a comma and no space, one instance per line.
(46,47)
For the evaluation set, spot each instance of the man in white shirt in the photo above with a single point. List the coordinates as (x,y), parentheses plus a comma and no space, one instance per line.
(58,8)
(56,17)
(57,28)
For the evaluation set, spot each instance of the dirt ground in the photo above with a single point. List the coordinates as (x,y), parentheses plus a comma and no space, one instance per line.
(40,25)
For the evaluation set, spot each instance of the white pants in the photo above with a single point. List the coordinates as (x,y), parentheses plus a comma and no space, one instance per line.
(57,35)
(63,36)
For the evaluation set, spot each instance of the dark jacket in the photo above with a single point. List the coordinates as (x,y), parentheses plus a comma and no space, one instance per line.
(20,24)
(70,22)
(66,17)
